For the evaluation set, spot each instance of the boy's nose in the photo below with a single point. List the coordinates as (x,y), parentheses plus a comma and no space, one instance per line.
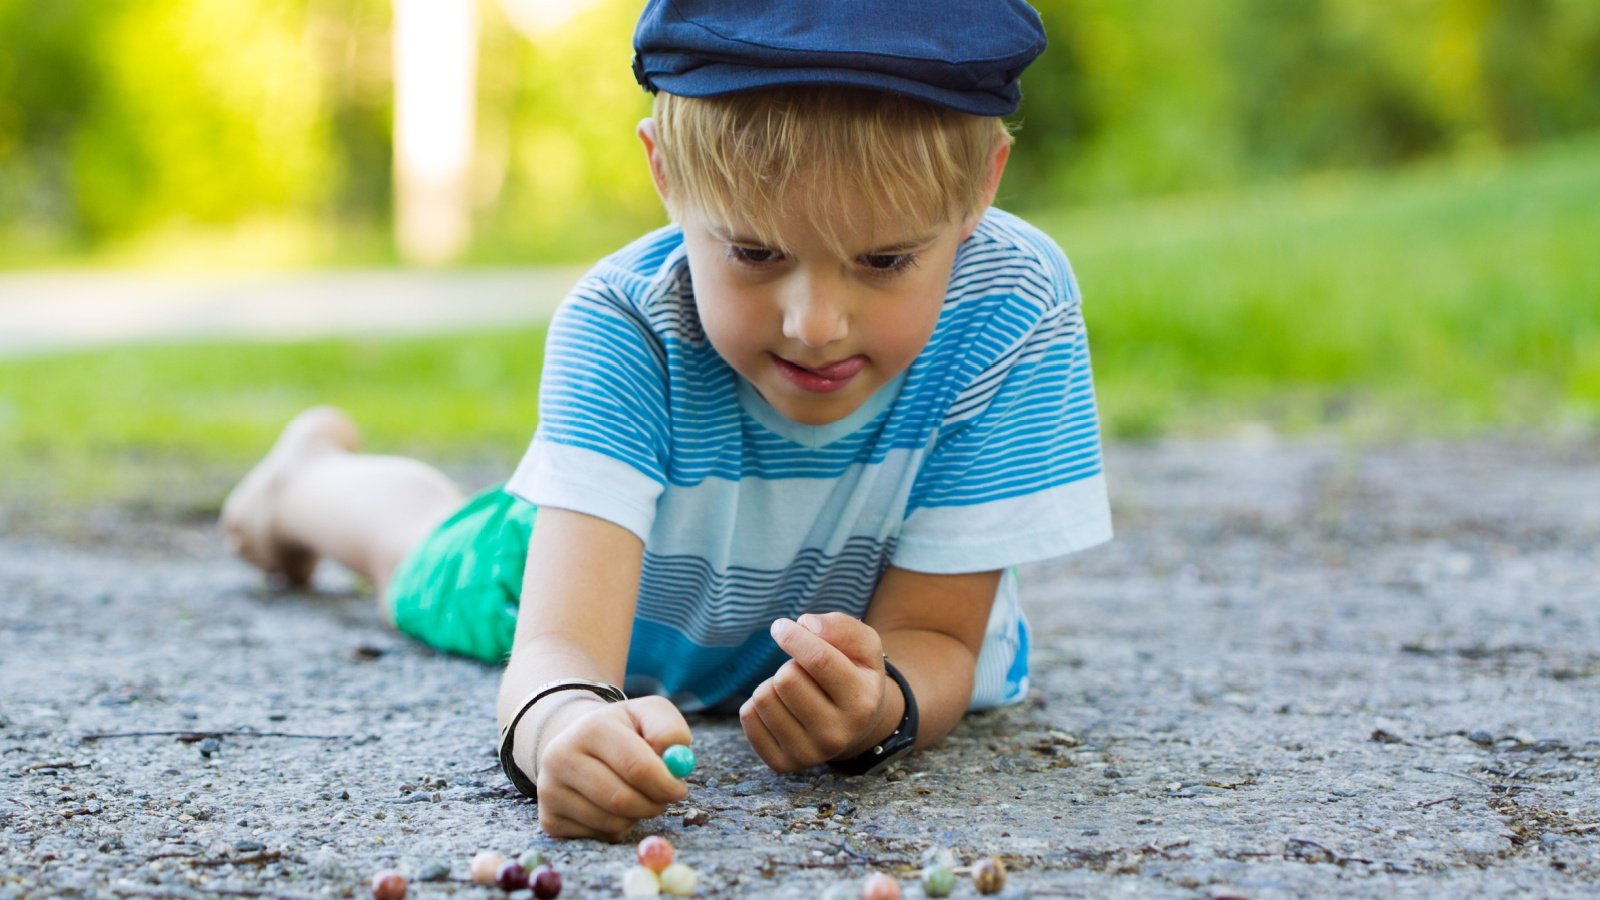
(815,316)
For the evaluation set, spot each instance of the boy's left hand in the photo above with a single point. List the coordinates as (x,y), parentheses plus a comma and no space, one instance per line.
(825,699)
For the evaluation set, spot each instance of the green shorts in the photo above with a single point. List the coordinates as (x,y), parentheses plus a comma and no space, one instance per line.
(458,589)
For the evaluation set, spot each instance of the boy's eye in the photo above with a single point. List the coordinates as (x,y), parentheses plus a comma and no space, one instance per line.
(889,262)
(754,256)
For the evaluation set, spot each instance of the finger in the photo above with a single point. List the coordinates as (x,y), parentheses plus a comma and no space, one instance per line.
(558,827)
(762,739)
(805,700)
(600,782)
(597,759)
(790,746)
(826,728)
(565,812)
(755,731)
(851,636)
(632,759)
(659,722)
(578,772)
(837,675)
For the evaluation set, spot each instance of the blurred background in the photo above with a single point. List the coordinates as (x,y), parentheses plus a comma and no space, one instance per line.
(1378,220)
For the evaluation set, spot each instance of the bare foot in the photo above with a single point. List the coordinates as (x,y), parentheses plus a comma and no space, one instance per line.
(249,514)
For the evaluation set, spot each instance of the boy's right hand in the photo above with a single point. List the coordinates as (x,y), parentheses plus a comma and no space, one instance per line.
(600,769)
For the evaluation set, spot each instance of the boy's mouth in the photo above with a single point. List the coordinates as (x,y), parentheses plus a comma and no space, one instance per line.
(822,379)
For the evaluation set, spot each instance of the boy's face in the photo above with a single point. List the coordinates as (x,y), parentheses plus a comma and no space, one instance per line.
(816,335)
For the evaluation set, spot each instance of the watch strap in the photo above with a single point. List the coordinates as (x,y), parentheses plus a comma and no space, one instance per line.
(897,744)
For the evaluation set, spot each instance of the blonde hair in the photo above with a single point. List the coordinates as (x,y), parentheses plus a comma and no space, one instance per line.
(760,158)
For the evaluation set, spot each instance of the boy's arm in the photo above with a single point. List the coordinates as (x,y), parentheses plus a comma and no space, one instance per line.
(599,768)
(932,628)
(833,700)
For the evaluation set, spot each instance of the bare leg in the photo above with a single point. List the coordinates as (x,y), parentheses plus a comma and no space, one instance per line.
(314,496)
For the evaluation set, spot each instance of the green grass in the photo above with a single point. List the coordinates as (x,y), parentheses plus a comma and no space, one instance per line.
(136,423)
(1439,301)
(1435,302)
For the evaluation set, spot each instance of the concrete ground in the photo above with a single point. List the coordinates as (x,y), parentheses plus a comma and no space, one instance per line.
(1301,669)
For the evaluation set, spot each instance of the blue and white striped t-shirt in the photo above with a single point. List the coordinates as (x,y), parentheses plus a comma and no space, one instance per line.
(985,454)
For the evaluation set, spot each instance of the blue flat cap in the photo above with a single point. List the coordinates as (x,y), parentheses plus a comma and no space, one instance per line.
(962,54)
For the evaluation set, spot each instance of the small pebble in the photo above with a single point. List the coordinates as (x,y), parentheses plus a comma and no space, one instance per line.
(655,853)
(640,882)
(511,877)
(434,872)
(388,885)
(546,883)
(1481,738)
(988,876)
(210,747)
(679,760)
(695,817)
(879,886)
(938,881)
(486,866)
(678,880)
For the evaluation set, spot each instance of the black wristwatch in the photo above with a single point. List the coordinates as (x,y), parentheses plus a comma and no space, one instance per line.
(891,748)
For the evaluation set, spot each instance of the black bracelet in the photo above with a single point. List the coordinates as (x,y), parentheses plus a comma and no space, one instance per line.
(897,744)
(607,692)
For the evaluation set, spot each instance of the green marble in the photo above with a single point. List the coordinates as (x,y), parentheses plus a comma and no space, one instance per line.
(679,760)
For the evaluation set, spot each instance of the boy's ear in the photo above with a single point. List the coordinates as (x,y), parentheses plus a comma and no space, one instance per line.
(991,185)
(647,136)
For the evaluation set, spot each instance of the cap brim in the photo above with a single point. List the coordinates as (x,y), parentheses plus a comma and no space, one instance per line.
(718,79)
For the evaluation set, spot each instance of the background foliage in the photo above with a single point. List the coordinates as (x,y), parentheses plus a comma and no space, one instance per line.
(125,120)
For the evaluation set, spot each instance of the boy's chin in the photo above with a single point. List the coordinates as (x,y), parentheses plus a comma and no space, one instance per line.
(815,419)
(803,410)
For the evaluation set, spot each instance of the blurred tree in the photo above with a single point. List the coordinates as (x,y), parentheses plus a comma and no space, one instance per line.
(1312,93)
(49,82)
(121,117)
(1056,116)
(567,173)
(205,108)
(351,46)
(1541,68)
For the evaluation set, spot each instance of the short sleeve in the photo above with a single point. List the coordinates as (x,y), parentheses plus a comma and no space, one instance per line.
(601,444)
(1015,474)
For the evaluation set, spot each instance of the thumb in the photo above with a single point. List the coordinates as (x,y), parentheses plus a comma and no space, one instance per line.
(659,722)
(849,635)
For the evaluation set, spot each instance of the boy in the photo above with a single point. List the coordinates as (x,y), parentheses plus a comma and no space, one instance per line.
(789,447)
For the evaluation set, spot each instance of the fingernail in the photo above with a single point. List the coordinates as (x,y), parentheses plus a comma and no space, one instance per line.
(778,625)
(812,623)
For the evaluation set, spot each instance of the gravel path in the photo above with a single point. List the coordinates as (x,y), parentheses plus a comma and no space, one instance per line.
(1301,669)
